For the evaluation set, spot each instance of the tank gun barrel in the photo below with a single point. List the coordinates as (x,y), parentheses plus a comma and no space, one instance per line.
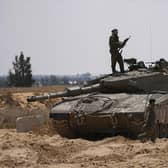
(48,96)
(72,91)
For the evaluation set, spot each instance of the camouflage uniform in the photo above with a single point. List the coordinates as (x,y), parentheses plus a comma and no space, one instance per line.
(115,46)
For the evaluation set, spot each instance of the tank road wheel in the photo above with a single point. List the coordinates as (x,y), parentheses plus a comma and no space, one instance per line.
(63,128)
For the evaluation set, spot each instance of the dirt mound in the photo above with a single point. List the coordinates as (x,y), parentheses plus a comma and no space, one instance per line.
(7,100)
(13,105)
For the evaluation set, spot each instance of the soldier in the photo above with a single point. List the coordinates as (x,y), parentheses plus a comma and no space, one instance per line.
(149,122)
(115,46)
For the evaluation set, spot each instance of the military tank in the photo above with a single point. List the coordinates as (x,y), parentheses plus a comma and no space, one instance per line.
(113,104)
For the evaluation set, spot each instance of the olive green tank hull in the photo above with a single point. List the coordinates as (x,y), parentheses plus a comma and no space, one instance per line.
(103,114)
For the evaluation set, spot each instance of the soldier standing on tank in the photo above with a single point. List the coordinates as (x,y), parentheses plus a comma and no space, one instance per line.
(115,47)
(149,122)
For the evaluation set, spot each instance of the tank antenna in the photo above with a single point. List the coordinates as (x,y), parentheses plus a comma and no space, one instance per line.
(150,33)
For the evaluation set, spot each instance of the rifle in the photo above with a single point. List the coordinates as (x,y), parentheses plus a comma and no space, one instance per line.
(127,39)
(124,43)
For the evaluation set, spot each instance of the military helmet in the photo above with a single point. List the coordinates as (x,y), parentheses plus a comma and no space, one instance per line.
(114,30)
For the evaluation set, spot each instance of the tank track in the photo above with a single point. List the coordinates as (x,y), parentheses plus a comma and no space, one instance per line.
(63,128)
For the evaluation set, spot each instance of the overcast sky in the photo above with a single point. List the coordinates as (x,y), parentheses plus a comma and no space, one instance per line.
(71,36)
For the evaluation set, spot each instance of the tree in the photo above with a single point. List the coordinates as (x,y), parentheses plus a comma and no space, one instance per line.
(22,73)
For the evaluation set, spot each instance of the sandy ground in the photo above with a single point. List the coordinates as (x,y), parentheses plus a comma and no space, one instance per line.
(45,148)
(34,150)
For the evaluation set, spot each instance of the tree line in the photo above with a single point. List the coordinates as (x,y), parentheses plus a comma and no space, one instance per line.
(20,75)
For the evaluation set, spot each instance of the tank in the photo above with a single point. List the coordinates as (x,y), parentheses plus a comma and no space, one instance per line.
(113,104)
